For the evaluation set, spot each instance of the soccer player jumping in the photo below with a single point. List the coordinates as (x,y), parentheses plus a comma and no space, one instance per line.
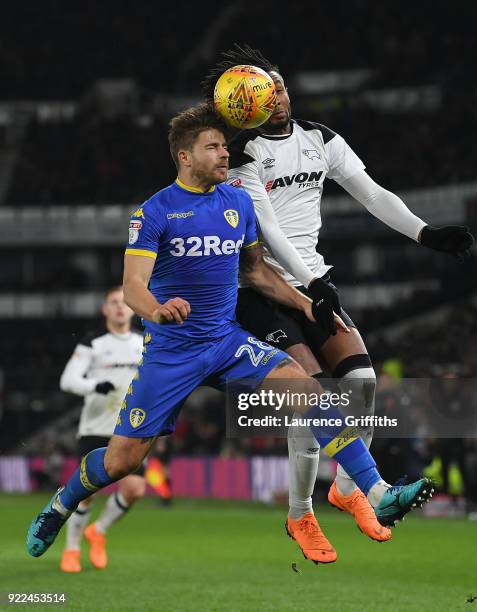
(283,165)
(180,275)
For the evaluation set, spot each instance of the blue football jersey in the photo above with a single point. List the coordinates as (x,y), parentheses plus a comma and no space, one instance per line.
(195,239)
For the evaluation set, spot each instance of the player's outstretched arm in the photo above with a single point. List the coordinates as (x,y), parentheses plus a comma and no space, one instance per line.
(137,272)
(390,209)
(383,204)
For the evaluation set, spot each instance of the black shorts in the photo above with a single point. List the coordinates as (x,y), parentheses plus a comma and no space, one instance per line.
(86,444)
(279,325)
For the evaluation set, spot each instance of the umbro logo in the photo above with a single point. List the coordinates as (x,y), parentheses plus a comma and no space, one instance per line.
(268,163)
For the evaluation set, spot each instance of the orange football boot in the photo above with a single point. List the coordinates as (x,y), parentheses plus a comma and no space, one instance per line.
(70,561)
(97,544)
(308,535)
(358,505)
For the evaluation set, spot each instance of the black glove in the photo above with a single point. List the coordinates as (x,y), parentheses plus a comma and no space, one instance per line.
(104,387)
(325,300)
(454,239)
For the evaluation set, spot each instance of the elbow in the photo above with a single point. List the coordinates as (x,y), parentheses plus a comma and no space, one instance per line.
(372,198)
(64,386)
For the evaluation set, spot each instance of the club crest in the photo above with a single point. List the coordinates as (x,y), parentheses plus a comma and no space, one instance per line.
(136,417)
(232,217)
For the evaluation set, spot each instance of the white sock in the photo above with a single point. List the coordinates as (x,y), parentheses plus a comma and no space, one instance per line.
(377,491)
(303,460)
(58,506)
(362,382)
(76,525)
(115,508)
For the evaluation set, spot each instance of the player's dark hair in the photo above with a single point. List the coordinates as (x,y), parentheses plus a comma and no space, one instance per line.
(186,127)
(238,55)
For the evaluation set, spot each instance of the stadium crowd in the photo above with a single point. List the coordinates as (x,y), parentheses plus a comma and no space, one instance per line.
(123,158)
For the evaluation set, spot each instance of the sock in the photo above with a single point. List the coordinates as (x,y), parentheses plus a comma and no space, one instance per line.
(362,384)
(342,444)
(303,460)
(115,508)
(376,492)
(87,478)
(75,526)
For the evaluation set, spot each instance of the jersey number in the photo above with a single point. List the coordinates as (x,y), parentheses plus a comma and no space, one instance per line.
(255,358)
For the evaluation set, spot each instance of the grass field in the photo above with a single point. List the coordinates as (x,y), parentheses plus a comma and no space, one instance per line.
(212,556)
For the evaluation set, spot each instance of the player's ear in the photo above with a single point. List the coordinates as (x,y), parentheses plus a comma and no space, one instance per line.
(103,310)
(184,157)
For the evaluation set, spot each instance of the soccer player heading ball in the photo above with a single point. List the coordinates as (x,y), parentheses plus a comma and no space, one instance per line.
(282,165)
(186,244)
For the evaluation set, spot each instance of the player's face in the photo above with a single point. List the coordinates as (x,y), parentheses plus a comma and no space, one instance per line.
(210,157)
(280,119)
(115,309)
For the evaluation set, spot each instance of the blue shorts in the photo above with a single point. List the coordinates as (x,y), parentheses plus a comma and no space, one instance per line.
(172,368)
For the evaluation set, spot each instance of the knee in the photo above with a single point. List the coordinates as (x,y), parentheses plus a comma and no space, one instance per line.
(365,386)
(302,354)
(134,489)
(142,490)
(139,490)
(356,373)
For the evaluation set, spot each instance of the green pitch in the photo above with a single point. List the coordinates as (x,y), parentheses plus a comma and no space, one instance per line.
(212,556)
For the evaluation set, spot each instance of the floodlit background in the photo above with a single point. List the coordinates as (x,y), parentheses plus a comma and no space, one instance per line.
(86,93)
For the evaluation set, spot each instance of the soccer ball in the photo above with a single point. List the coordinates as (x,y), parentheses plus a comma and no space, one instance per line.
(245,96)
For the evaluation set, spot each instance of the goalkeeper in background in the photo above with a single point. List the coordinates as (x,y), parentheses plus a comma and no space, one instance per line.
(101,369)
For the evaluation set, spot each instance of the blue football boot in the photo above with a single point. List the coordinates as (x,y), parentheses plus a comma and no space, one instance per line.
(45,527)
(401,499)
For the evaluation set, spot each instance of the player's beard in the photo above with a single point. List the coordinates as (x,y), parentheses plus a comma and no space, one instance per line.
(208,177)
(277,127)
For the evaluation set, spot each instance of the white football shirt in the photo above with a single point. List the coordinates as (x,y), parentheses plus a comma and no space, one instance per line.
(290,170)
(99,358)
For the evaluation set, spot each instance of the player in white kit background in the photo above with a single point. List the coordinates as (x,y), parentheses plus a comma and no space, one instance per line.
(101,369)
(282,165)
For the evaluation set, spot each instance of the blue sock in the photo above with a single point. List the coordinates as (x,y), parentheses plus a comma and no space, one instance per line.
(88,478)
(356,459)
(346,447)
